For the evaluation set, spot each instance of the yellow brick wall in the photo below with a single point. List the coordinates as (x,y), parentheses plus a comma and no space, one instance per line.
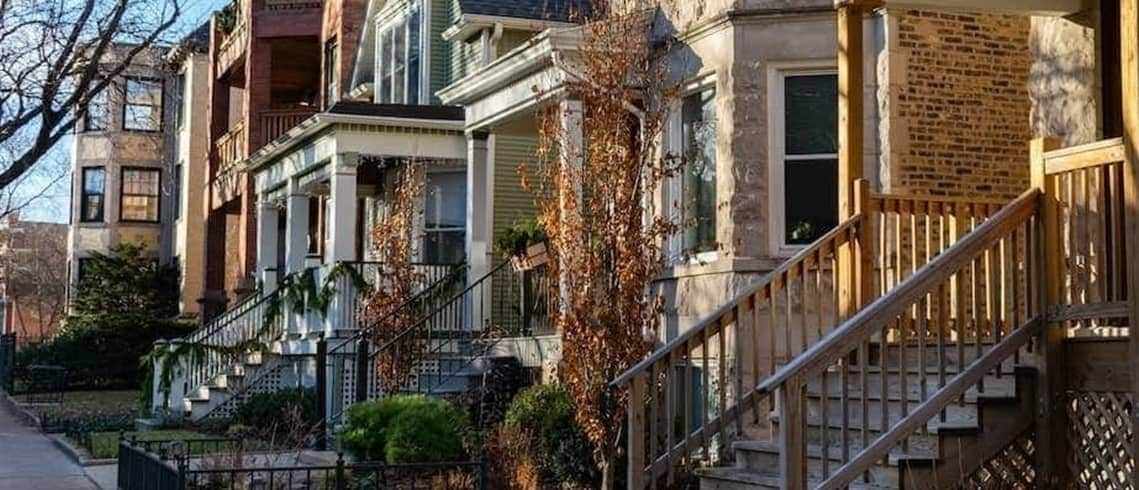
(958,108)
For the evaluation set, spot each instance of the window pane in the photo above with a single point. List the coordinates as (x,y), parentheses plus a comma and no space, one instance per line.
(399,37)
(91,202)
(140,195)
(413,65)
(811,115)
(811,199)
(143,108)
(698,120)
(97,113)
(385,49)
(445,203)
(444,247)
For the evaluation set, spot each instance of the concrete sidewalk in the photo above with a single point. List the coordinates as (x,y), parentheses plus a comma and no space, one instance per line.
(29,460)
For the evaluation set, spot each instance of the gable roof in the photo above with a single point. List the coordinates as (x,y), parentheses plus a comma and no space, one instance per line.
(556,10)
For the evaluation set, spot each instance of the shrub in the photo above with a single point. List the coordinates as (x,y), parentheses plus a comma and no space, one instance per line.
(512,459)
(405,429)
(279,413)
(564,454)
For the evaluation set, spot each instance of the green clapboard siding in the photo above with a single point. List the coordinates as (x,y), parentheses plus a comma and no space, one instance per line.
(442,16)
(512,203)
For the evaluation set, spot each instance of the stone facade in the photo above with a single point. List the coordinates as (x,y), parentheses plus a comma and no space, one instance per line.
(113,148)
(953,104)
(189,156)
(1065,84)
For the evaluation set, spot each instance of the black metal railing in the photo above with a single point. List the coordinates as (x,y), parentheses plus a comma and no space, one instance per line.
(222,463)
(458,323)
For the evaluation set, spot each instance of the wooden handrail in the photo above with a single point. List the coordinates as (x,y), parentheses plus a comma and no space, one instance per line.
(868,320)
(928,409)
(1084,156)
(717,316)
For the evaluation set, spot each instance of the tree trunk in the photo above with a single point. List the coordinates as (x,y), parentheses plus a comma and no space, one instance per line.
(608,477)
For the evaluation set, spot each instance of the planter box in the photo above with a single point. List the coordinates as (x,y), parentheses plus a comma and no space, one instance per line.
(535,257)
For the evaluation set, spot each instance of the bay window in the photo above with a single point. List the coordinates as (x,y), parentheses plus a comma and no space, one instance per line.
(140,194)
(92,199)
(142,109)
(398,57)
(698,186)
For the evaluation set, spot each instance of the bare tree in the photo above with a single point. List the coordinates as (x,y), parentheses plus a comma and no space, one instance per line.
(55,57)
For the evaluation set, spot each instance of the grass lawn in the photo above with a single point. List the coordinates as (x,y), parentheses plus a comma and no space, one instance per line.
(105,445)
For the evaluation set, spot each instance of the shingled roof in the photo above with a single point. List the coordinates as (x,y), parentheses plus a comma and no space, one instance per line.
(555,10)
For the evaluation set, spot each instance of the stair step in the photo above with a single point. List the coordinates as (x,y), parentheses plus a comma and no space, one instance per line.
(762,457)
(727,478)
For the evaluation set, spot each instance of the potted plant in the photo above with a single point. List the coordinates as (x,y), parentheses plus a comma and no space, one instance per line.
(524,243)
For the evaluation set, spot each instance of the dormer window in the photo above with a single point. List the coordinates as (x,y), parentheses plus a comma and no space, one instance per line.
(398,65)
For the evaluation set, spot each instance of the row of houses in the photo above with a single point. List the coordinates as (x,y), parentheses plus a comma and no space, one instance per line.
(262,147)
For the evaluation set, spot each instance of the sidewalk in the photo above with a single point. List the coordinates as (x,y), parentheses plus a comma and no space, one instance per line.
(28,460)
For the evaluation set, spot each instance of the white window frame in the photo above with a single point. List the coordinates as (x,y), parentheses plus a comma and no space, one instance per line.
(674,186)
(777,73)
(382,25)
(421,214)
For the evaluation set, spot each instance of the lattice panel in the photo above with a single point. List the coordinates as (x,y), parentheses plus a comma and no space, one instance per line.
(1011,468)
(264,382)
(1100,439)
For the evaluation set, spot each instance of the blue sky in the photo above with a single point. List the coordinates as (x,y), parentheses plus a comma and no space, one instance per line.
(55,203)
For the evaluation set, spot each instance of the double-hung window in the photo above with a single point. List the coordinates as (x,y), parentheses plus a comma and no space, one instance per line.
(805,150)
(142,108)
(692,192)
(98,113)
(399,59)
(91,202)
(140,195)
(444,218)
(698,129)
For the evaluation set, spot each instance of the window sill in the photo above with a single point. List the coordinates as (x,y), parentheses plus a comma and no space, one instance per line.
(720,265)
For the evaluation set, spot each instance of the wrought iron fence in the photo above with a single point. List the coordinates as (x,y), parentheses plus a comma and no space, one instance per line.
(159,465)
(7,361)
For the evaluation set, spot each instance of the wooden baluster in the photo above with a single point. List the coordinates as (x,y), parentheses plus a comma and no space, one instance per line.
(654,421)
(844,399)
(819,294)
(803,294)
(824,426)
(687,394)
(792,422)
(756,349)
(705,396)
(669,415)
(864,390)
(942,323)
(722,365)
(636,440)
(769,294)
(904,369)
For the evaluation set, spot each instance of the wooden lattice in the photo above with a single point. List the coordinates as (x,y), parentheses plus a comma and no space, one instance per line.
(1011,468)
(1100,439)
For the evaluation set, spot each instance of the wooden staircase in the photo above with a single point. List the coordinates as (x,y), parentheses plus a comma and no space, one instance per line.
(913,346)
(934,458)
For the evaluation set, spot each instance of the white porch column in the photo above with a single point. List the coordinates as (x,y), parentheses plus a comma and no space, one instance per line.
(480,204)
(571,161)
(341,244)
(268,218)
(296,228)
(342,209)
(296,247)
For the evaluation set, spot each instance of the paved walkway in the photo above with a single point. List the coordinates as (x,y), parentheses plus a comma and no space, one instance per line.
(29,461)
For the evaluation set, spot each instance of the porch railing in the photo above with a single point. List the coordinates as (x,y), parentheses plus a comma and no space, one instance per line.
(251,321)
(775,321)
(976,298)
(275,122)
(458,322)
(230,147)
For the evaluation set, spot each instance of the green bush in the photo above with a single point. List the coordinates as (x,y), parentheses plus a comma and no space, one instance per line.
(405,429)
(547,412)
(276,413)
(513,241)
